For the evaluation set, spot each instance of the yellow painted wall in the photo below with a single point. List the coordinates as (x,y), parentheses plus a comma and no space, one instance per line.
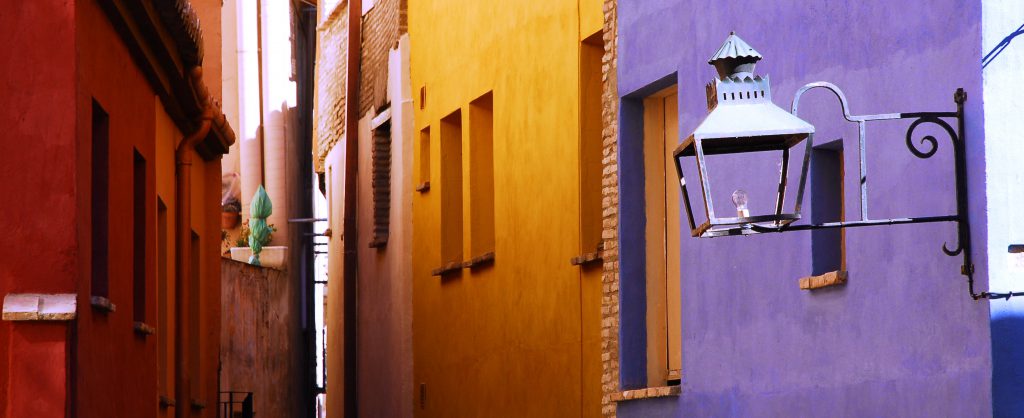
(507,339)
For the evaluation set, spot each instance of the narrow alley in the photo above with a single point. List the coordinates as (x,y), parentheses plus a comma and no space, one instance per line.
(468,208)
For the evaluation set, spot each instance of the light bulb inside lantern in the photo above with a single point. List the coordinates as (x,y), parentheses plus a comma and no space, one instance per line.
(739,198)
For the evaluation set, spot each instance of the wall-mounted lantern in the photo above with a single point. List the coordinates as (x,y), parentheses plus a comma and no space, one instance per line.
(742,119)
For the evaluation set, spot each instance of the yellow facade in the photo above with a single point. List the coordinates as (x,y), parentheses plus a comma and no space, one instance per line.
(519,336)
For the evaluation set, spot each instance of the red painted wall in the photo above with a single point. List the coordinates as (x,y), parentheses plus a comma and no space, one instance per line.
(61,57)
(38,251)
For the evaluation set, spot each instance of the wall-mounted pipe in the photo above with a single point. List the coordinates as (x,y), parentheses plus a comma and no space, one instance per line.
(182,225)
(349,277)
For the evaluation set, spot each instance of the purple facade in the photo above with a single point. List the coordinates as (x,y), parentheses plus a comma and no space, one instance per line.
(902,337)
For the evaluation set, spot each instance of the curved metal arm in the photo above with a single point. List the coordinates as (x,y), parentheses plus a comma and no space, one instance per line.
(932,142)
(933,147)
(825,85)
(956,137)
(861,121)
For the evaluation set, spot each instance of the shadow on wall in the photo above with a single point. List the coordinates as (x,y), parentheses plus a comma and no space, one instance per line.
(991,55)
(1008,366)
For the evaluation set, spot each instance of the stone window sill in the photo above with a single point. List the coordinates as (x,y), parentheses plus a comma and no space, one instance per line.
(379,242)
(102,304)
(588,259)
(645,393)
(484,259)
(449,267)
(39,307)
(423,187)
(144,329)
(832,278)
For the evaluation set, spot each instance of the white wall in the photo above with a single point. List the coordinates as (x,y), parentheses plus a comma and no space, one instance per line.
(1003,81)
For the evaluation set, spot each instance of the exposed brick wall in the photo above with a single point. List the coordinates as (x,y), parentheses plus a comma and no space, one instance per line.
(610,204)
(382,26)
(329,115)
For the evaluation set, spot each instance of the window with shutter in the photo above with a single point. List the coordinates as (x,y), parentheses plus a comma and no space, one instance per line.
(381,178)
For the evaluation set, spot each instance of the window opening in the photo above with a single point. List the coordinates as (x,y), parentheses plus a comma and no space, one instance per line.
(100,201)
(481,176)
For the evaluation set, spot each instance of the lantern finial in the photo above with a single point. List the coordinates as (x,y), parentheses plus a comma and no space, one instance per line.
(735,59)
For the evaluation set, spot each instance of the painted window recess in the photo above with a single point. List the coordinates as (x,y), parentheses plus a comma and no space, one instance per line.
(481,182)
(100,210)
(139,253)
(450,145)
(423,170)
(591,151)
(662,209)
(828,246)
(467,186)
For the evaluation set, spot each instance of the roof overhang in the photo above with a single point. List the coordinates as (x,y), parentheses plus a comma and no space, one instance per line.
(165,41)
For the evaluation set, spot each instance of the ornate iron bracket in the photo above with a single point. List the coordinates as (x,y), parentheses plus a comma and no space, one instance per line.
(957,139)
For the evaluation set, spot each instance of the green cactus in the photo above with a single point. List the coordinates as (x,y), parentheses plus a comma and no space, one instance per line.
(259,210)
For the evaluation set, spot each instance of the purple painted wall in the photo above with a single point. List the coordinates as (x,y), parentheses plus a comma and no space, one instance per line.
(903,337)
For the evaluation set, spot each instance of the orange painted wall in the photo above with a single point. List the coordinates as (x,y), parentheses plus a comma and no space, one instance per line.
(107,350)
(167,135)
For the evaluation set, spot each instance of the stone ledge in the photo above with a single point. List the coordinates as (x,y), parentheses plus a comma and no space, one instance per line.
(586,259)
(102,304)
(144,329)
(166,402)
(275,257)
(449,267)
(645,393)
(589,258)
(832,278)
(40,307)
(485,259)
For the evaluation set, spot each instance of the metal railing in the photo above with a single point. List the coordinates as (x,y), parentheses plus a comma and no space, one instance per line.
(235,405)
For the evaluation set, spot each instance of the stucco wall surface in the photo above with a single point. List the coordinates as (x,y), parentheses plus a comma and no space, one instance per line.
(902,338)
(1003,57)
(384,300)
(39,185)
(258,321)
(107,350)
(334,321)
(505,339)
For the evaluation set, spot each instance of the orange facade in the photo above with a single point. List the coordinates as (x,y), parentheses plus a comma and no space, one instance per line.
(98,160)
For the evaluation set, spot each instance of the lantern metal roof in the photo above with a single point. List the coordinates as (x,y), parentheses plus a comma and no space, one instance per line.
(734,47)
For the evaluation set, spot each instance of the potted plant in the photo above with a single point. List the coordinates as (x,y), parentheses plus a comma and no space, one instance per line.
(231,213)
(256,234)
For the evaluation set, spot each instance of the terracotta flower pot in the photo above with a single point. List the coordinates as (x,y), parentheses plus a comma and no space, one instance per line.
(229,220)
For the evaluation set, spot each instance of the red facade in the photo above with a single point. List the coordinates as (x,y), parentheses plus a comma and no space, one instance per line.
(74,73)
